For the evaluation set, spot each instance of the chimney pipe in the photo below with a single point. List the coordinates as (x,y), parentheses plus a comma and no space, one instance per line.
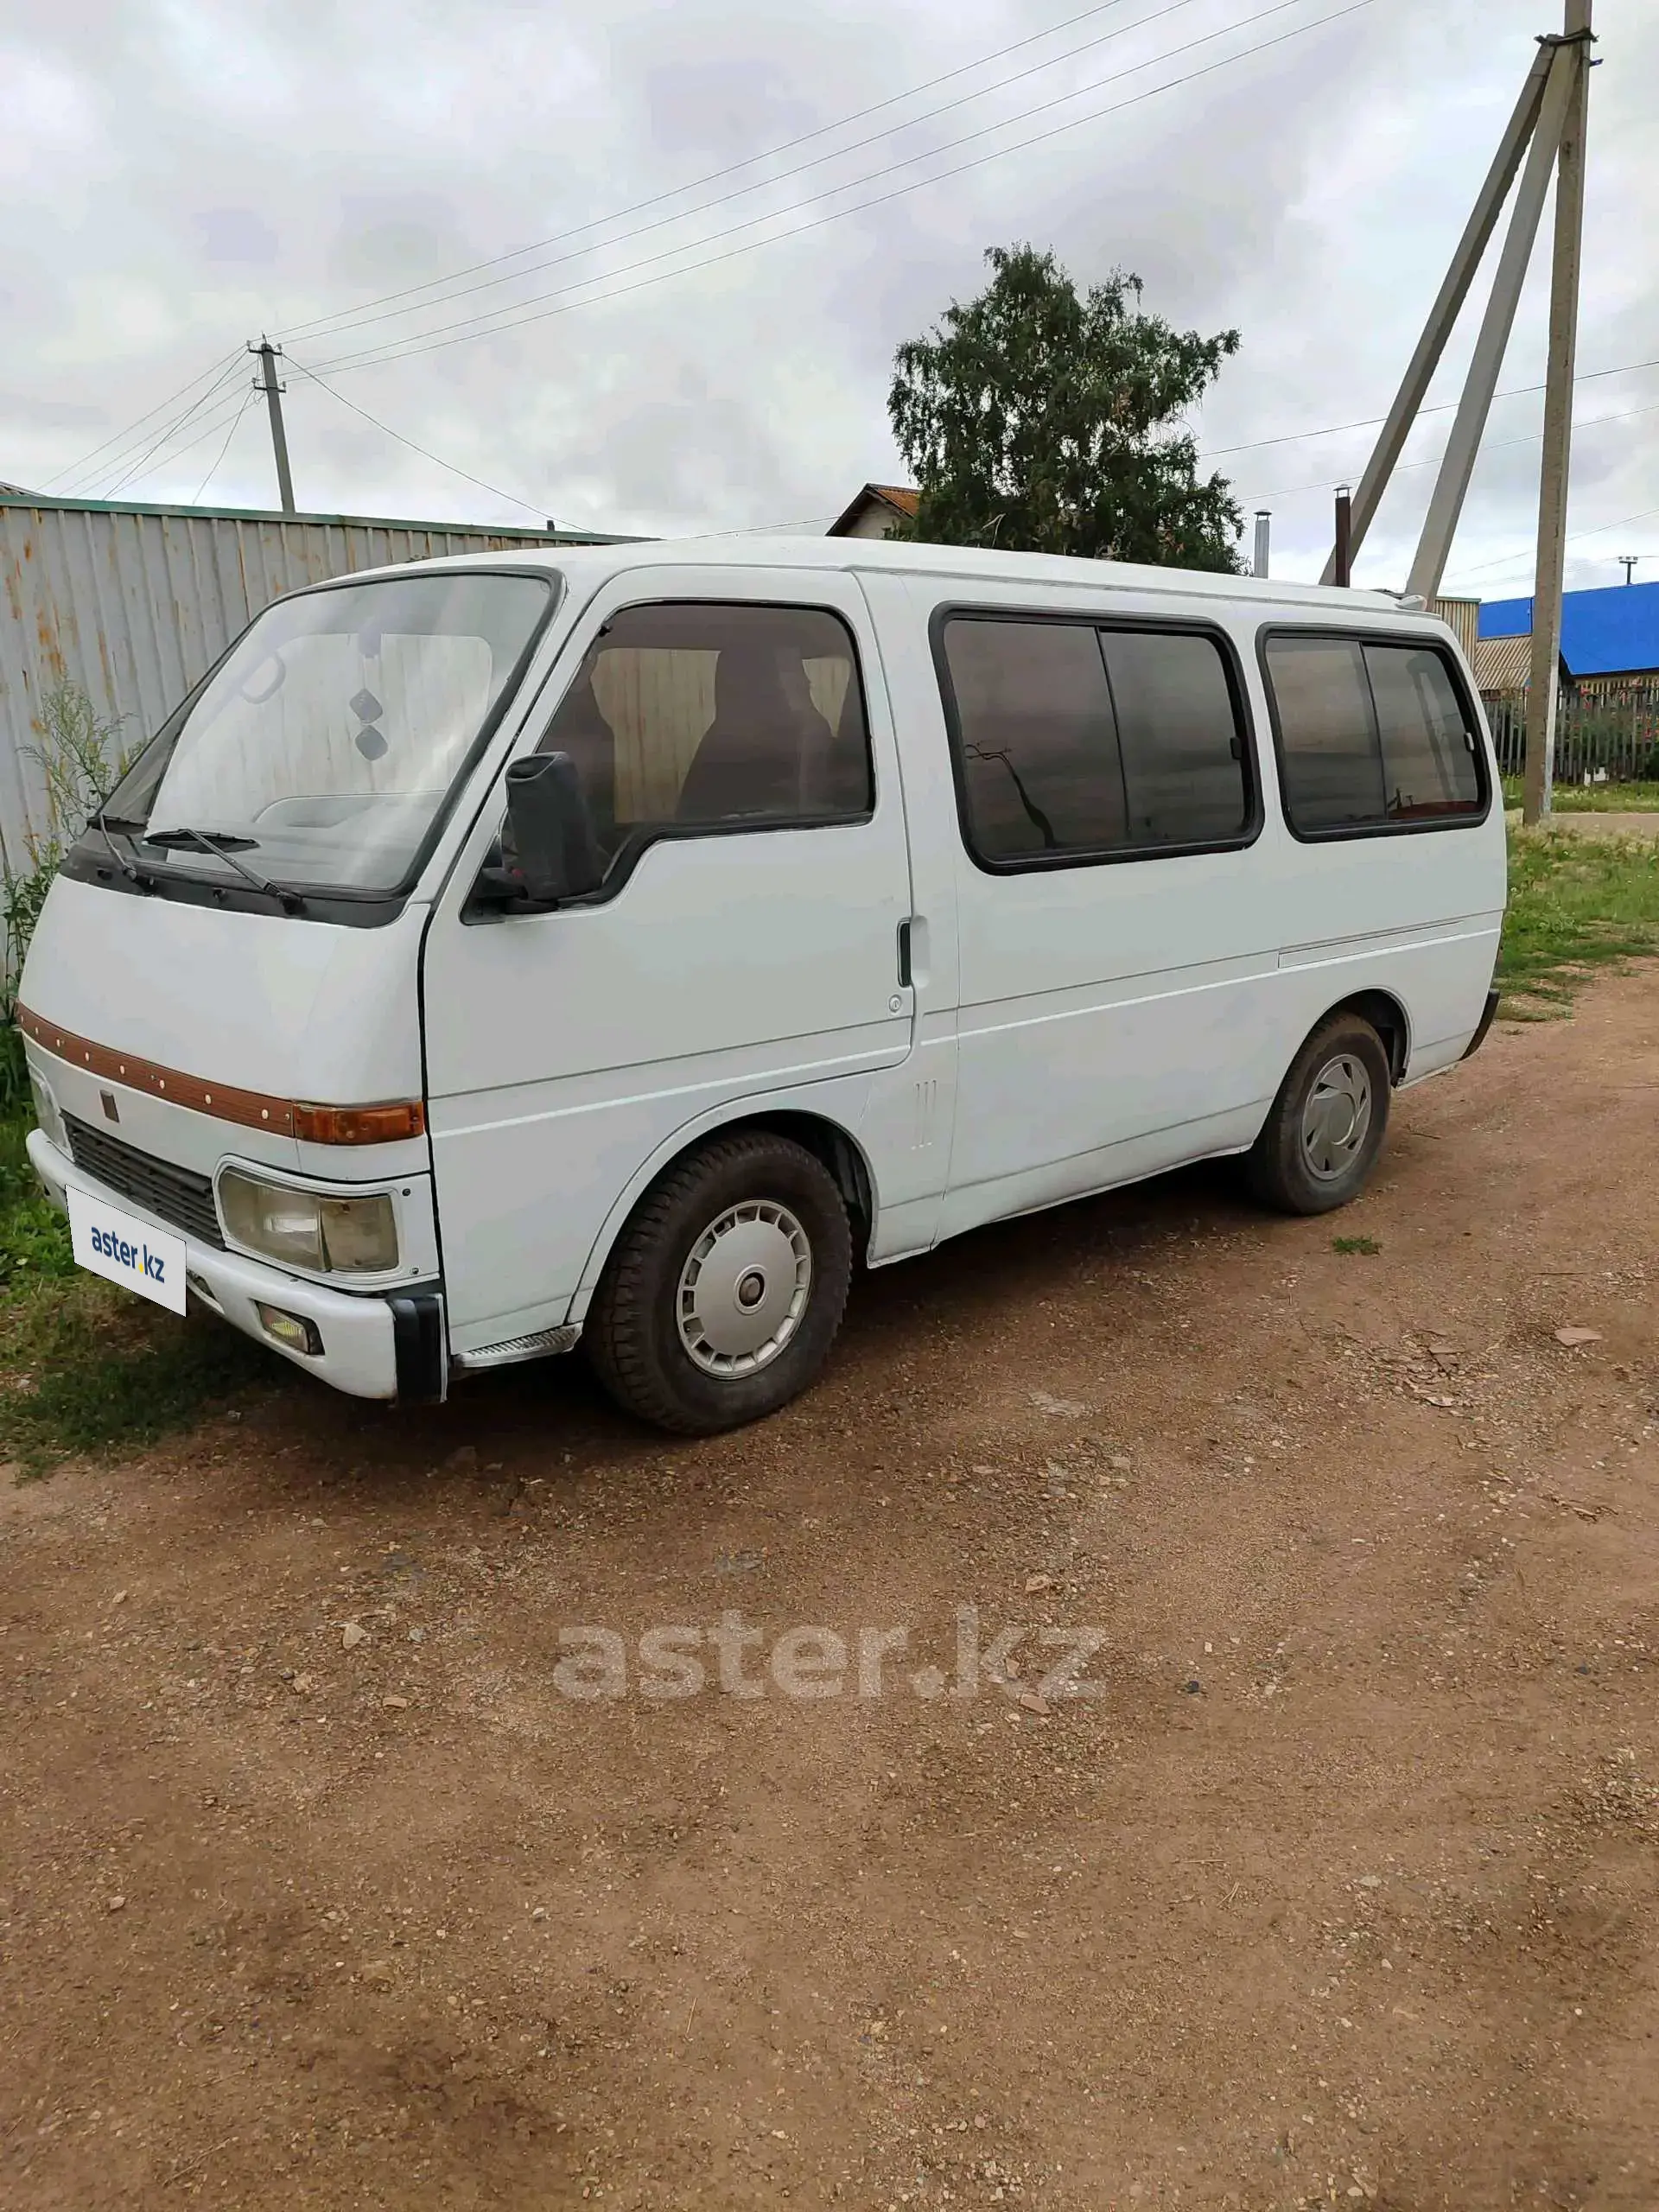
(1343,565)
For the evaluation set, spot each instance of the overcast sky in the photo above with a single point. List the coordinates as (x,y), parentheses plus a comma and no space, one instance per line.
(177,175)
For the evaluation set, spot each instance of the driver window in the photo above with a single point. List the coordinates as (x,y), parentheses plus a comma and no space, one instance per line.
(711,715)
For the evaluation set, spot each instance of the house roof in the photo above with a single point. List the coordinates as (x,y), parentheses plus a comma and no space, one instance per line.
(900,499)
(1504,664)
(1612,632)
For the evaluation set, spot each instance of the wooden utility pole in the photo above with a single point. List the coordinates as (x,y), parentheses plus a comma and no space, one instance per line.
(1558,429)
(268,355)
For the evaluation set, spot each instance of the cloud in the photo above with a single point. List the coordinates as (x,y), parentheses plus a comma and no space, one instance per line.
(1309,194)
(235,234)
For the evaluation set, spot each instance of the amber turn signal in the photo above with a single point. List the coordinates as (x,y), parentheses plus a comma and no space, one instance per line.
(360,1124)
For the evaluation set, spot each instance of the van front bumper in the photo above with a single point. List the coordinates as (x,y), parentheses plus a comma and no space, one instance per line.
(385,1345)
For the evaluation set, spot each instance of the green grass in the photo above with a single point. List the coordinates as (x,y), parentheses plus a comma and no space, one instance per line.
(1365,1247)
(1576,904)
(86,1367)
(1592,798)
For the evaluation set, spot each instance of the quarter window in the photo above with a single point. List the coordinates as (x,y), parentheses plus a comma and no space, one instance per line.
(1371,735)
(1075,740)
(706,714)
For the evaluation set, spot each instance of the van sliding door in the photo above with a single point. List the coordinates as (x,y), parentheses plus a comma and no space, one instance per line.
(1118,962)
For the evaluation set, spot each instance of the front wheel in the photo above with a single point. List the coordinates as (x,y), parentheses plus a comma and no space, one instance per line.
(1326,1127)
(726,1289)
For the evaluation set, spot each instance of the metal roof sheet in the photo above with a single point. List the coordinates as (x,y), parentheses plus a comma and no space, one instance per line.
(1610,631)
(1504,664)
(14,495)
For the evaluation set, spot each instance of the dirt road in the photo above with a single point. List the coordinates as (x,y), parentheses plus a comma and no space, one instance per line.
(318,1888)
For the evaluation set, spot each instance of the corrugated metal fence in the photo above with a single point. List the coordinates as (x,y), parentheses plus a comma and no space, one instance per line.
(133,603)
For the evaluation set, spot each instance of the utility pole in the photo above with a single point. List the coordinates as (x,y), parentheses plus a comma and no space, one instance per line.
(1446,502)
(1342,560)
(1557,427)
(1627,561)
(268,357)
(1263,541)
(1465,263)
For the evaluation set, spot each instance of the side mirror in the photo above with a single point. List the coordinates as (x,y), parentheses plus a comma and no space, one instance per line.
(549,831)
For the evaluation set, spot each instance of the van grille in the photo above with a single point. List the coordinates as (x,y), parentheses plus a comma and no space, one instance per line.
(172,1193)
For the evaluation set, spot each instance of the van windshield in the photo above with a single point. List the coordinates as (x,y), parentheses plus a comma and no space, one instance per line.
(326,746)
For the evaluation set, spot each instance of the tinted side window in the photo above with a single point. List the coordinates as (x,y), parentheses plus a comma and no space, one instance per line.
(1428,751)
(1178,730)
(1328,758)
(1037,742)
(709,715)
(1074,739)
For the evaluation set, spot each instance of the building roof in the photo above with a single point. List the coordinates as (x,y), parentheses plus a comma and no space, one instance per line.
(1611,632)
(1504,664)
(900,499)
(13,495)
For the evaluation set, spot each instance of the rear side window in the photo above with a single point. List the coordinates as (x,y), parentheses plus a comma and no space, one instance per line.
(1372,735)
(1075,740)
(1430,764)
(711,714)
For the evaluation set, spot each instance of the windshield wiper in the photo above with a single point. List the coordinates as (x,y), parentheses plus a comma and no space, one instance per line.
(222,841)
(225,849)
(129,869)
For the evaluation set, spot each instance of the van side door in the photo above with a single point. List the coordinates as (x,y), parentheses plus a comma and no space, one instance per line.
(736,751)
(1118,962)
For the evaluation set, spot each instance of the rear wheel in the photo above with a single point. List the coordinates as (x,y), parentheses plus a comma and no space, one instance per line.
(1327,1124)
(726,1289)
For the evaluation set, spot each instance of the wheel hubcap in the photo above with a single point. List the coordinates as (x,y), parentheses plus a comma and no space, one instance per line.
(744,1288)
(1336,1117)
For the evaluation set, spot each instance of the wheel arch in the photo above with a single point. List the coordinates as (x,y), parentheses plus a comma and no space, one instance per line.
(1387,1016)
(828,1140)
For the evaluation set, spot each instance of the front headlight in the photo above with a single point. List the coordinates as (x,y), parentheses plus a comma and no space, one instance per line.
(341,1237)
(47,1114)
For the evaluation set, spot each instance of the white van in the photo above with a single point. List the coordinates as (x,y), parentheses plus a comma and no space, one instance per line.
(620,943)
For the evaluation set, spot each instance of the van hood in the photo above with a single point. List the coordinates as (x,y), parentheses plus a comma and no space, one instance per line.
(266,1002)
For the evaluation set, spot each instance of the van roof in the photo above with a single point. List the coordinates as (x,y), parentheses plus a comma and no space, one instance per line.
(592,564)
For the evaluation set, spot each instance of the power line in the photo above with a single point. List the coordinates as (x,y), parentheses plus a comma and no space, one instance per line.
(74,467)
(1496,445)
(114,462)
(166,437)
(219,463)
(713,176)
(350,319)
(1578,536)
(1444,407)
(513,497)
(472,327)
(214,422)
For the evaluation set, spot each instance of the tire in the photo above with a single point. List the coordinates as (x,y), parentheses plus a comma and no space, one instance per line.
(725,1290)
(1311,1157)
